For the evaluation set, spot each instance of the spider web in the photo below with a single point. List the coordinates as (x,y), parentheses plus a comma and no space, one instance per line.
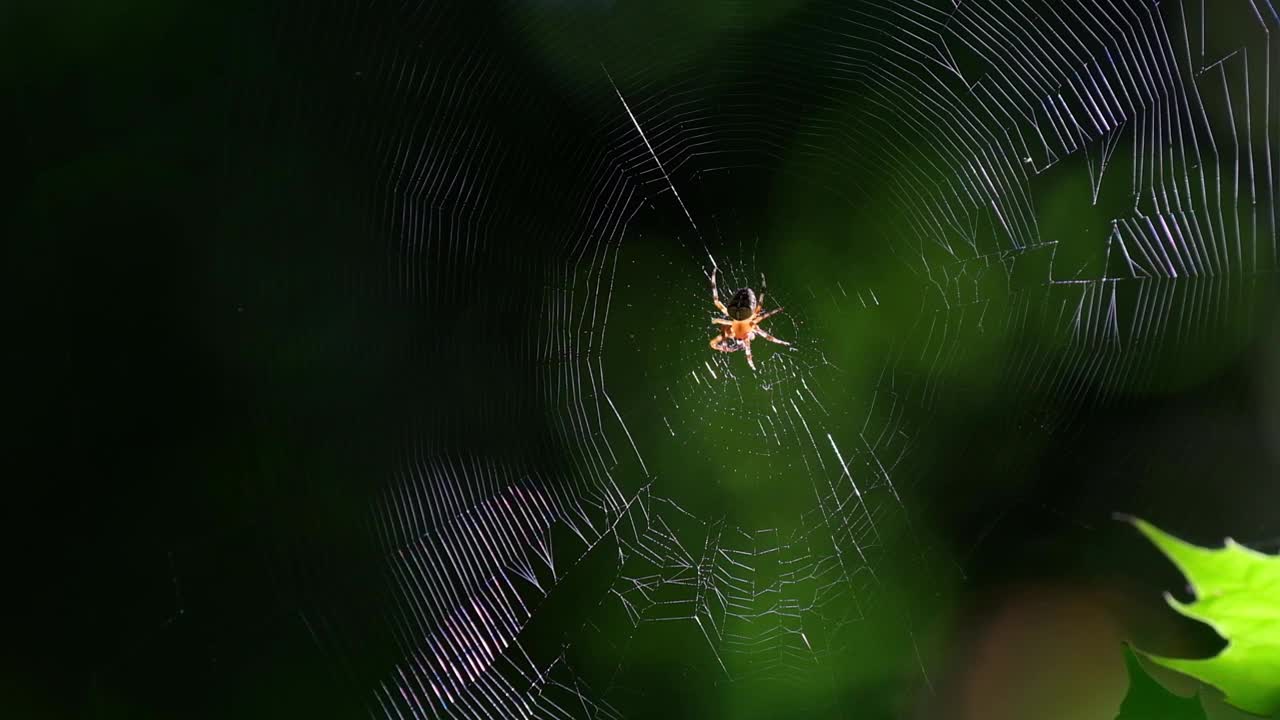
(946,134)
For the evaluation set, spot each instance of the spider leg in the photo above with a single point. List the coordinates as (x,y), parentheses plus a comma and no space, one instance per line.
(722,321)
(760,300)
(747,346)
(718,343)
(772,312)
(771,338)
(715,294)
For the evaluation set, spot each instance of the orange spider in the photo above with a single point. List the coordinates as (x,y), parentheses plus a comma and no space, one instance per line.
(742,323)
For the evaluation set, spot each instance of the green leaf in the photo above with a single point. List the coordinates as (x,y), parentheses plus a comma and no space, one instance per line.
(1237,594)
(1149,700)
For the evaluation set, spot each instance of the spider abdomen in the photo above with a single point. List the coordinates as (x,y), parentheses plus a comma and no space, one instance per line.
(742,305)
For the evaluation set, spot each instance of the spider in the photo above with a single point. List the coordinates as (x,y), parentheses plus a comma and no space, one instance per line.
(743,321)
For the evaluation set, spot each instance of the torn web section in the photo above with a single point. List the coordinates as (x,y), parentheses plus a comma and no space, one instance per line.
(505,484)
(447,528)
(774,610)
(1156,203)
(754,609)
(1107,205)
(479,548)
(472,557)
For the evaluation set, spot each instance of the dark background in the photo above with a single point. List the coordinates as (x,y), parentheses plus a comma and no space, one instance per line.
(217,362)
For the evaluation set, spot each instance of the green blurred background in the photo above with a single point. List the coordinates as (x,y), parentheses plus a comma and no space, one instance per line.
(224,347)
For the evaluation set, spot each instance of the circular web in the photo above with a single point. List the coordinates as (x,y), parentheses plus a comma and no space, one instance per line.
(1037,200)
